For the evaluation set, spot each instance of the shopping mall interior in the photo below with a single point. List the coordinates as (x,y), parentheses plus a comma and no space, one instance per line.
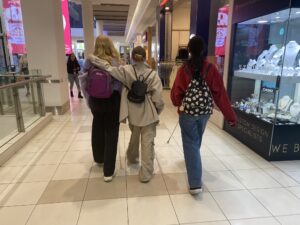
(250,169)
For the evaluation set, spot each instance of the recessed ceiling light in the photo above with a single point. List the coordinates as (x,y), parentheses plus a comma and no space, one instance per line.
(277,17)
(262,21)
(298,12)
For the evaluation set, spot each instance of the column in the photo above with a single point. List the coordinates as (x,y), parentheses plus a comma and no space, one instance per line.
(200,13)
(149,37)
(44,37)
(168,36)
(162,33)
(88,26)
(99,27)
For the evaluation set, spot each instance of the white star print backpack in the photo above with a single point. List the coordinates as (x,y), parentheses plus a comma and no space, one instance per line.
(198,100)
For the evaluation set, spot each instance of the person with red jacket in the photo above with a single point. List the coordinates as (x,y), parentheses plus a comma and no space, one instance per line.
(197,85)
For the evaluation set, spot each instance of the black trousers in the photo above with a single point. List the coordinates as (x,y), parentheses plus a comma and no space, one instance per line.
(105,131)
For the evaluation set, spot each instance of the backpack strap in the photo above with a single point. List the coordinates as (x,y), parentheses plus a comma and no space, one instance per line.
(135,72)
(148,75)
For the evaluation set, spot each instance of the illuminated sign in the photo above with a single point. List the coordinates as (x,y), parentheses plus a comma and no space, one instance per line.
(66,24)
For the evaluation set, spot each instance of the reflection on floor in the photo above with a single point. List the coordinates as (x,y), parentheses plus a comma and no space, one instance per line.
(53,180)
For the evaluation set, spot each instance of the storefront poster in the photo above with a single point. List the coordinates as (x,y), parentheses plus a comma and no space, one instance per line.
(14,26)
(222,28)
(66,23)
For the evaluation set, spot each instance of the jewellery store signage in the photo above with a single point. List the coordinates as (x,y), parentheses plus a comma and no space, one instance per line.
(222,29)
(247,9)
(66,24)
(14,26)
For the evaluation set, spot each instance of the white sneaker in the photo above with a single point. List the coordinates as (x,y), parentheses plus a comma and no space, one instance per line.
(195,191)
(108,179)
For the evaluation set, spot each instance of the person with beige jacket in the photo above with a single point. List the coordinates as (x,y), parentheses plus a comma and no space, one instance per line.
(143,117)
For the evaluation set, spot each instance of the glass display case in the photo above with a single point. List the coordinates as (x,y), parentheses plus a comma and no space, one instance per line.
(264,80)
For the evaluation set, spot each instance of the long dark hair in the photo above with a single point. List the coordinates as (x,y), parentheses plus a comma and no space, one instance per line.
(197,48)
(70,60)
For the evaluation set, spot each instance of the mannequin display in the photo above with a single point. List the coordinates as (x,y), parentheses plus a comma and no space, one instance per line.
(291,52)
(284,103)
(271,52)
(277,56)
(295,109)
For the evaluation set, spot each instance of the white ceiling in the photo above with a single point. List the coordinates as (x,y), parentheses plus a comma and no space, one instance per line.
(114,25)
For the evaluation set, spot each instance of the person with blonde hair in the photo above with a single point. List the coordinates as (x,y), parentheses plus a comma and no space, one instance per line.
(105,127)
(143,115)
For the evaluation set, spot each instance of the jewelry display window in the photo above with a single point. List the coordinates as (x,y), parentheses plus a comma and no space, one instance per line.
(264,80)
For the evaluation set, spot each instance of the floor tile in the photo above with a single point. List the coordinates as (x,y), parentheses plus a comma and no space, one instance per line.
(97,189)
(257,178)
(97,170)
(223,150)
(58,146)
(176,183)
(209,223)
(239,205)
(133,169)
(167,153)
(83,137)
(287,165)
(58,214)
(261,221)
(64,191)
(36,173)
(212,164)
(237,162)
(285,203)
(175,165)
(30,147)
(72,171)
(156,186)
(85,129)
(20,159)
(201,208)
(3,187)
(48,158)
(280,177)
(17,215)
(78,157)
(221,181)
(151,210)
(295,191)
(80,146)
(289,220)
(104,212)
(22,194)
(260,161)
(8,174)
(295,175)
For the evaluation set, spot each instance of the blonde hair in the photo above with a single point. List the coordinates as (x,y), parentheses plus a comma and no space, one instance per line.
(105,49)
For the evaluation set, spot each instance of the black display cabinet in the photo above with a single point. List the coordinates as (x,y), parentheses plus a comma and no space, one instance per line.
(264,77)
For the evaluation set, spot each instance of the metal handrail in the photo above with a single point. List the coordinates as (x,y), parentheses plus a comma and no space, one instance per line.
(22,83)
(16,99)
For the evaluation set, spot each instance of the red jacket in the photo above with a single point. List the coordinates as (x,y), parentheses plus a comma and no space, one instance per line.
(215,84)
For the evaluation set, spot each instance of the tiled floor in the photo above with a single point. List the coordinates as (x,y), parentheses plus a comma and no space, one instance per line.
(53,180)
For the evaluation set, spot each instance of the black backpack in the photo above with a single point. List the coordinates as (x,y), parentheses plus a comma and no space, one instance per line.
(198,100)
(138,90)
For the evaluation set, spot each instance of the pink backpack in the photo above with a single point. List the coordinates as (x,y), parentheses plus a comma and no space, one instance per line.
(99,83)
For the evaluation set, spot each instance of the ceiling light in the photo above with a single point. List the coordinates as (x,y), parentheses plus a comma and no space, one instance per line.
(167,8)
(262,21)
(298,12)
(277,17)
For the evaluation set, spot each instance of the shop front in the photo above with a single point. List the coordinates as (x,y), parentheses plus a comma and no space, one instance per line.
(264,77)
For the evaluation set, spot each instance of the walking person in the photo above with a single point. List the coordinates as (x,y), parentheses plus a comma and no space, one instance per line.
(73,68)
(197,85)
(141,104)
(105,109)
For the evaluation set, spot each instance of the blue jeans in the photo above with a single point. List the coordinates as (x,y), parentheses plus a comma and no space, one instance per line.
(192,129)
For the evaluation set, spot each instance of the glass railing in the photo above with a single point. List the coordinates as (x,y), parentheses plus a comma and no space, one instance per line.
(21,103)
